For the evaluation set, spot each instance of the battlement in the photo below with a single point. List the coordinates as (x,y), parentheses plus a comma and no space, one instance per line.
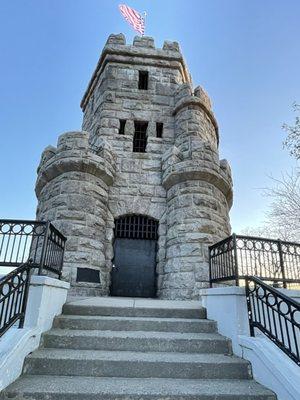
(75,153)
(185,92)
(142,52)
(188,99)
(142,42)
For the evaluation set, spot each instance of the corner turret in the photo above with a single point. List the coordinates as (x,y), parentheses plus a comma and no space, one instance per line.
(199,194)
(72,190)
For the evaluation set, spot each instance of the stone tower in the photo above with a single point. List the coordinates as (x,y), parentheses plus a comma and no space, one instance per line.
(140,193)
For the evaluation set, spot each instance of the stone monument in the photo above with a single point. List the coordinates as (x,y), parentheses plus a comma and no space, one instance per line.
(140,192)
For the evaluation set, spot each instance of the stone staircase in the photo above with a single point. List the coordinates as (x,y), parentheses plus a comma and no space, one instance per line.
(134,349)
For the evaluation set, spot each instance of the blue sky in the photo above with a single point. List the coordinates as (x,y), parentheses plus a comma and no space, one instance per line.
(246,54)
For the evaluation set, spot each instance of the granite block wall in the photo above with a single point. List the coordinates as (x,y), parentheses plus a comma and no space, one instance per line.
(93,177)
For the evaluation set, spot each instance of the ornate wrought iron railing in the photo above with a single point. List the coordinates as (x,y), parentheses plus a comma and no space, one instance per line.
(237,256)
(14,289)
(38,240)
(274,314)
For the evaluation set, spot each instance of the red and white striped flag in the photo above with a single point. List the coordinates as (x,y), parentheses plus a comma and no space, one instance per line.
(133,17)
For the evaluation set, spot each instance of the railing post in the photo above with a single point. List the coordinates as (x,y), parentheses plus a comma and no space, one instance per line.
(44,248)
(61,262)
(25,297)
(281,261)
(251,328)
(236,267)
(209,269)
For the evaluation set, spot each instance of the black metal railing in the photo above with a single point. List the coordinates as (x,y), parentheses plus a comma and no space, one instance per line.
(38,240)
(274,314)
(237,256)
(14,289)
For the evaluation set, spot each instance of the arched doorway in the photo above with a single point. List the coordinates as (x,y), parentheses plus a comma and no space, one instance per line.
(134,263)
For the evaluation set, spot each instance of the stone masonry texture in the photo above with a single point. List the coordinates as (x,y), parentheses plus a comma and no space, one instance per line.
(93,177)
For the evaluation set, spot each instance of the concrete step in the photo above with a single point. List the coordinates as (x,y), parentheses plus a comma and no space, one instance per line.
(135,364)
(126,307)
(136,341)
(134,324)
(90,388)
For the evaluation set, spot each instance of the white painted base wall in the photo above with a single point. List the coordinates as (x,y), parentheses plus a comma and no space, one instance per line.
(46,298)
(228,306)
(270,366)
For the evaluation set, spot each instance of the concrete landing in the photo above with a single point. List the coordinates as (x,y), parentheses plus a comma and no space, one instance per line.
(134,307)
(133,302)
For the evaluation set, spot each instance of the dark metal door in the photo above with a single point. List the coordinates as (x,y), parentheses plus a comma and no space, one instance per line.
(133,274)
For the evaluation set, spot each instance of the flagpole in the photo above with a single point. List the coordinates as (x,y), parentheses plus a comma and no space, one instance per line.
(145,14)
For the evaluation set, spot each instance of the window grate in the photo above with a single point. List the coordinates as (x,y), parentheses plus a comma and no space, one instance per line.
(143,80)
(140,137)
(136,227)
(159,129)
(122,127)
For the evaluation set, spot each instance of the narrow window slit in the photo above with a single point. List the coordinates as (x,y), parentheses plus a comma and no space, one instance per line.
(143,80)
(122,127)
(159,129)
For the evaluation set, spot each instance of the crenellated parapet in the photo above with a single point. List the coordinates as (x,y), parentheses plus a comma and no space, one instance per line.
(202,169)
(74,153)
(194,116)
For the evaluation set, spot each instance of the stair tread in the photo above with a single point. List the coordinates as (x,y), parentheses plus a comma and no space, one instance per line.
(138,334)
(134,356)
(135,307)
(80,385)
(120,318)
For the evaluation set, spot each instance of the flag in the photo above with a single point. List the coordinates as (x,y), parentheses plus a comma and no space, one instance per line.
(133,17)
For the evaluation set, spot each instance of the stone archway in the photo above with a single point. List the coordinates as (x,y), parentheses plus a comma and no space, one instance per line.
(134,264)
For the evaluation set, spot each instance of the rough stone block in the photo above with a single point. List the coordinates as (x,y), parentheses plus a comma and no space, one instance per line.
(118,39)
(144,41)
(171,46)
